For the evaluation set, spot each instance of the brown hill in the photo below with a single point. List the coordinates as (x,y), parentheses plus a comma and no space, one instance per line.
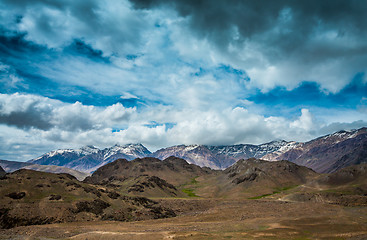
(278,173)
(174,170)
(352,175)
(30,197)
(347,186)
(254,177)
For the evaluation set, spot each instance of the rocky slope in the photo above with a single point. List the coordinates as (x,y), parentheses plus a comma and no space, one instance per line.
(278,174)
(328,153)
(2,172)
(174,170)
(30,197)
(346,186)
(254,177)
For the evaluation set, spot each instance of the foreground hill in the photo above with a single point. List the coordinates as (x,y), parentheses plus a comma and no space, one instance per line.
(152,177)
(347,187)
(174,170)
(30,197)
(328,153)
(118,190)
(254,177)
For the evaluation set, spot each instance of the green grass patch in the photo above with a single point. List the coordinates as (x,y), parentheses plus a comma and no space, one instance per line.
(262,196)
(189,192)
(262,228)
(193,181)
(277,190)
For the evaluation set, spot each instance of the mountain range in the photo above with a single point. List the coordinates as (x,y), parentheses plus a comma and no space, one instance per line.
(324,154)
(328,153)
(90,158)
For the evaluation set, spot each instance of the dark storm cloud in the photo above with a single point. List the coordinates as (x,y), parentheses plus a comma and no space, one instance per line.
(31,117)
(215,19)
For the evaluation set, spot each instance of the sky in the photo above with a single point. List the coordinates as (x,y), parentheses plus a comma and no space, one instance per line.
(163,73)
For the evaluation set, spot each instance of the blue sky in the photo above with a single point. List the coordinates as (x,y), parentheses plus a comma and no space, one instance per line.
(162,73)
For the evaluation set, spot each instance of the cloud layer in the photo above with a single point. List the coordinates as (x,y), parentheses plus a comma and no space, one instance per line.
(41,123)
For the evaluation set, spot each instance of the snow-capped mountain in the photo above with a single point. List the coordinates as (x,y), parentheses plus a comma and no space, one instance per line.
(218,157)
(195,154)
(245,151)
(323,154)
(89,158)
(327,153)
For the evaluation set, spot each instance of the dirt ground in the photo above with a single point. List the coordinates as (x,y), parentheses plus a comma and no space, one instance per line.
(218,219)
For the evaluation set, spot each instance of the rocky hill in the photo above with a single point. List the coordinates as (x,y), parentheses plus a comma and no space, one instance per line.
(2,172)
(254,177)
(174,170)
(346,186)
(352,175)
(30,197)
(278,174)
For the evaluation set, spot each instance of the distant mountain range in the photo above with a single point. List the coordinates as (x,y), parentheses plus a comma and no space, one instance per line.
(328,153)
(324,154)
(90,158)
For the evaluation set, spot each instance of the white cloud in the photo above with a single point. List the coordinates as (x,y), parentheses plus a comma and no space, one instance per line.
(304,122)
(31,111)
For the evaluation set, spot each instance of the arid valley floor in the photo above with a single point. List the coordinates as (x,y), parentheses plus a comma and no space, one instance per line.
(219,219)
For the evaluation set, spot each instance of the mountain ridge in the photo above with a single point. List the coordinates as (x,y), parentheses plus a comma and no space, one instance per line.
(327,153)
(310,154)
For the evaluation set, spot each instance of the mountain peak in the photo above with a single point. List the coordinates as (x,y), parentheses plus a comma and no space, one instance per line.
(89,149)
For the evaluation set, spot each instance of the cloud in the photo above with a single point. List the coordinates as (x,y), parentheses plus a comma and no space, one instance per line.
(109,26)
(280,43)
(304,122)
(31,111)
